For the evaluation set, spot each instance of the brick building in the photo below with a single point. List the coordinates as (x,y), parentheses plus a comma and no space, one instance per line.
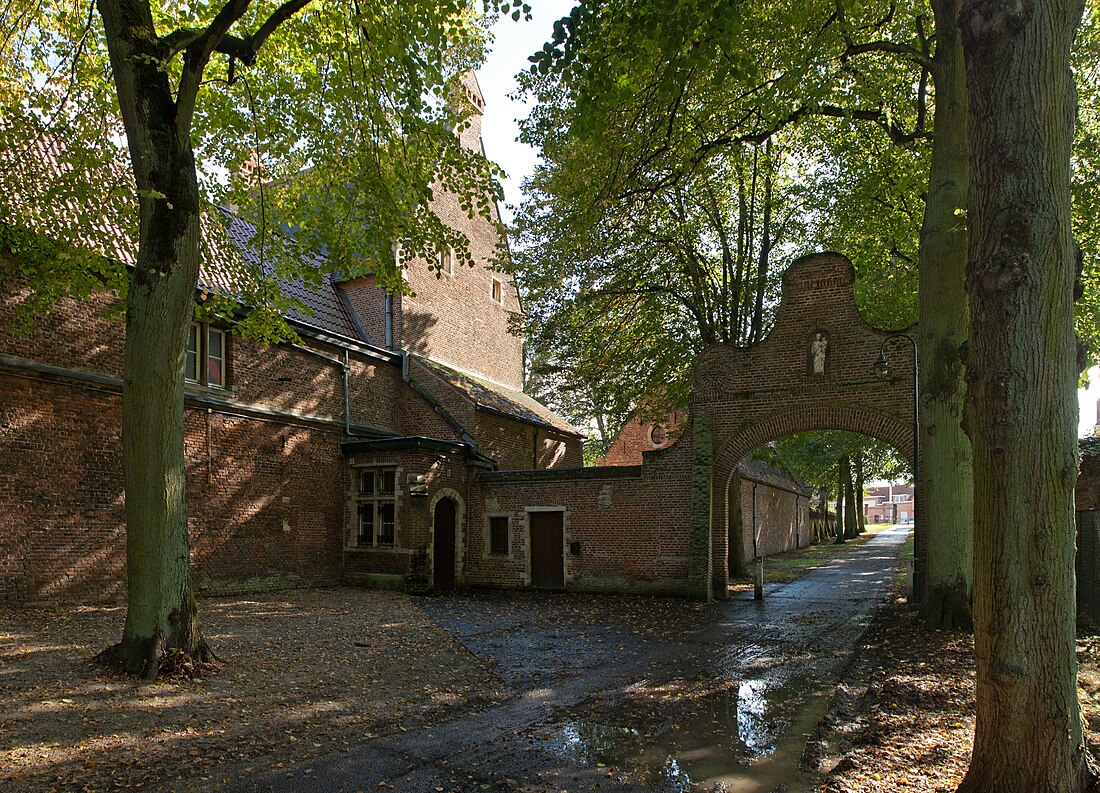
(889,504)
(394,445)
(352,454)
(774,505)
(1087,504)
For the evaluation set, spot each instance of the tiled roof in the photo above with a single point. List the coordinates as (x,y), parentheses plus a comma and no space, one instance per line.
(487,395)
(764,473)
(40,174)
(326,311)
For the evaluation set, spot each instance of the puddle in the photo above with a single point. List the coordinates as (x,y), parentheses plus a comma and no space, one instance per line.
(748,738)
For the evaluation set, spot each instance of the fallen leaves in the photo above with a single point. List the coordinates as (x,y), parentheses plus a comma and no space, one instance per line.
(292,686)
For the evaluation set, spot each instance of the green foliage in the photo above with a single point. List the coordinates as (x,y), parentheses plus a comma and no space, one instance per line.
(690,155)
(814,456)
(340,127)
(1086,177)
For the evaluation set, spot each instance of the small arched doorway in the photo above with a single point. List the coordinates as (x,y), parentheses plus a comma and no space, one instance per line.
(443,553)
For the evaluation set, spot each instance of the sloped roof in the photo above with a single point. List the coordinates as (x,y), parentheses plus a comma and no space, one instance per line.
(494,397)
(39,173)
(328,312)
(766,474)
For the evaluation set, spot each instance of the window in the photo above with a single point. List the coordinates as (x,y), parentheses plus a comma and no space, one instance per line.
(498,291)
(206,354)
(901,499)
(446,261)
(376,508)
(498,535)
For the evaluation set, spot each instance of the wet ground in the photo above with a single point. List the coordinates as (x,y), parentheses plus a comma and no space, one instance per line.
(616,693)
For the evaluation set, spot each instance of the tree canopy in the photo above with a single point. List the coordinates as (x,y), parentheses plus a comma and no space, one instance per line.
(129,127)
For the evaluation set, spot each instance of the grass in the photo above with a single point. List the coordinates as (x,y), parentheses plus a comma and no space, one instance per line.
(784,568)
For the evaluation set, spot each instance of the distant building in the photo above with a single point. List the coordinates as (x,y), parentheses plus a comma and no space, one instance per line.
(889,504)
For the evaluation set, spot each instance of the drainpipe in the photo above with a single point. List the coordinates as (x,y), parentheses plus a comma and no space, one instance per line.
(347,393)
(797,524)
(389,321)
(438,408)
(754,552)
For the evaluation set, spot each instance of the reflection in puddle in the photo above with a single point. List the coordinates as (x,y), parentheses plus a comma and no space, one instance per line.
(745,739)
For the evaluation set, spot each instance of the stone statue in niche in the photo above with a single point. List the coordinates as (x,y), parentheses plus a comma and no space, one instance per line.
(817,352)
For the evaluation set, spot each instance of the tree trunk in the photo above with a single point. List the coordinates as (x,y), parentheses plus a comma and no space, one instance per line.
(946,489)
(1021,402)
(161,611)
(842,476)
(861,518)
(851,522)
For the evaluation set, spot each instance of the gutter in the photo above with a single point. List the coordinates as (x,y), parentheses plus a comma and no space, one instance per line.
(438,408)
(344,365)
(209,398)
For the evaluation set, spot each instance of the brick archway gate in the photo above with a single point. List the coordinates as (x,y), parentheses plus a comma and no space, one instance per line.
(813,371)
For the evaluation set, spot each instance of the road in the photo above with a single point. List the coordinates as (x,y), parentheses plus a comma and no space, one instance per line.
(648,694)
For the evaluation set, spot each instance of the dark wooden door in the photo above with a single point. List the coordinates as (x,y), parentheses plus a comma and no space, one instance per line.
(547,555)
(443,557)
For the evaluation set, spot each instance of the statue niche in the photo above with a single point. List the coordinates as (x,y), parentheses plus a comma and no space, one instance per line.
(818,348)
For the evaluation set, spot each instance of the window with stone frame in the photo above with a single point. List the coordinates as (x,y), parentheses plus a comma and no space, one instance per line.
(375,508)
(206,357)
(498,291)
(446,261)
(498,535)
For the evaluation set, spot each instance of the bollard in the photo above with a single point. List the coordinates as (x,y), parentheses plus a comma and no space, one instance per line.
(758,578)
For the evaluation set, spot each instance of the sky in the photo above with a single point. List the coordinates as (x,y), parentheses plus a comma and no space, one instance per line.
(513,42)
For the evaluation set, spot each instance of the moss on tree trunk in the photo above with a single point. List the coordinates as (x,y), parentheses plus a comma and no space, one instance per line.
(161,614)
(1021,402)
(946,490)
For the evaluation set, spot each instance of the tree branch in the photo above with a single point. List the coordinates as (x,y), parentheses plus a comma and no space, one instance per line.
(198,47)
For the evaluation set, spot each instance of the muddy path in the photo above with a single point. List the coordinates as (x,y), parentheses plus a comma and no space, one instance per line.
(617,693)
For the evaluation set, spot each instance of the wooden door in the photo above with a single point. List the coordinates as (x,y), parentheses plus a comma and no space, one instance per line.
(547,554)
(443,555)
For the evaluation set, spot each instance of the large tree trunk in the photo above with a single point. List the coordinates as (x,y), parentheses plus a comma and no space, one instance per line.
(946,490)
(1021,403)
(161,612)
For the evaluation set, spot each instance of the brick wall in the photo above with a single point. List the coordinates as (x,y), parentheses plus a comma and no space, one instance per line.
(1087,502)
(769,390)
(1087,491)
(1088,564)
(629,522)
(369,304)
(520,445)
(264,507)
(637,437)
(266,477)
(446,475)
(453,318)
(782,519)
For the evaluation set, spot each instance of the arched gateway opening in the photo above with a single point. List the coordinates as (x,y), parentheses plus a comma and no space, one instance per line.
(814,371)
